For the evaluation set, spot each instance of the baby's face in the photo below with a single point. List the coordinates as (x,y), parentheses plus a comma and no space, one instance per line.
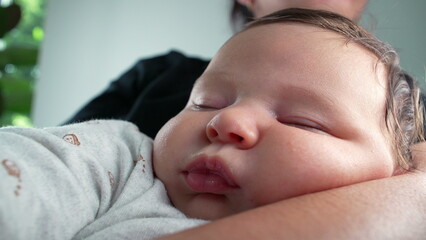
(282,110)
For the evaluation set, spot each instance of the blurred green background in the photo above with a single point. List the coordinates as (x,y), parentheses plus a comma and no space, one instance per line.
(21,34)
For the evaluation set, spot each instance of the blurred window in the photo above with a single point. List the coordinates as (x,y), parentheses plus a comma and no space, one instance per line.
(21,34)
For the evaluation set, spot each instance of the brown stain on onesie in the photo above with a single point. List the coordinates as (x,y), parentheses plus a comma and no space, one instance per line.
(13,170)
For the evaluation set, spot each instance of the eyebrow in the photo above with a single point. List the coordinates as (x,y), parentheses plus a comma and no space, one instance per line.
(325,100)
(213,81)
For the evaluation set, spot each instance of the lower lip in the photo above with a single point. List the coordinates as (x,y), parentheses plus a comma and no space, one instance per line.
(207,182)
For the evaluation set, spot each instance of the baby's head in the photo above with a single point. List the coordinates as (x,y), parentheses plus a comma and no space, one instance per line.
(300,101)
(403,107)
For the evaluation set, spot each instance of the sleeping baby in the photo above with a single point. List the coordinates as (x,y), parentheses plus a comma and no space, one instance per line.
(298,102)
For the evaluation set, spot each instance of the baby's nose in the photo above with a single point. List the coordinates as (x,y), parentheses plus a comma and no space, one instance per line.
(233,126)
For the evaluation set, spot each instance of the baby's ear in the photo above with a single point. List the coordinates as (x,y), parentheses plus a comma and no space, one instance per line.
(399,171)
(418,154)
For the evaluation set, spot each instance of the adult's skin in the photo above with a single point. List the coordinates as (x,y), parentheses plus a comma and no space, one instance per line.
(390,208)
(351,9)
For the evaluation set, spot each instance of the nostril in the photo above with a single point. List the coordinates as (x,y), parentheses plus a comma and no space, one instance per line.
(236,137)
(212,132)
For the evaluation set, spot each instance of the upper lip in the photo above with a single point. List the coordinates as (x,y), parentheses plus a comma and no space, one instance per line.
(212,165)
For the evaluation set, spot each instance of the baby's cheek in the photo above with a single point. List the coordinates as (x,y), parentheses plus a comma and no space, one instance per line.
(340,170)
(302,173)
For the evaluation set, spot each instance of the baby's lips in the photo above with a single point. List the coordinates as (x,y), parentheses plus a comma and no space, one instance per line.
(209,175)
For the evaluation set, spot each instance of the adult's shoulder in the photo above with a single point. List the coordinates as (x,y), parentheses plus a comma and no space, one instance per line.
(173,58)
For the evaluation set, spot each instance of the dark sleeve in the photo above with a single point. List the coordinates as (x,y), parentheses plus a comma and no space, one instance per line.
(149,94)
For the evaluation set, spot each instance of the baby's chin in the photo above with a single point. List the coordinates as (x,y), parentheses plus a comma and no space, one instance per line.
(211,208)
(208,215)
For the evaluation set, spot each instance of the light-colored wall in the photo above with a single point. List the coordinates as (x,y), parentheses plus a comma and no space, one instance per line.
(402,23)
(88,43)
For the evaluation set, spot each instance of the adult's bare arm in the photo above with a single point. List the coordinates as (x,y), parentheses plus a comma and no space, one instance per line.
(391,208)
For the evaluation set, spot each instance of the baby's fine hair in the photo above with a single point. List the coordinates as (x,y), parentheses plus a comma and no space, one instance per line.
(404,108)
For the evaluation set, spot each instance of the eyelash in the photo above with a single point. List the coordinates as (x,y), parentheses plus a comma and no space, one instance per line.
(203,107)
(305,124)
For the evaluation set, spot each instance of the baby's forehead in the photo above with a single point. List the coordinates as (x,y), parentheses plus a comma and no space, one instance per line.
(303,56)
(291,33)
(285,42)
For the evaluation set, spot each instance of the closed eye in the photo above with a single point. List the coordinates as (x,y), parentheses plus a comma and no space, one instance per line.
(305,125)
(212,102)
(203,107)
(207,104)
